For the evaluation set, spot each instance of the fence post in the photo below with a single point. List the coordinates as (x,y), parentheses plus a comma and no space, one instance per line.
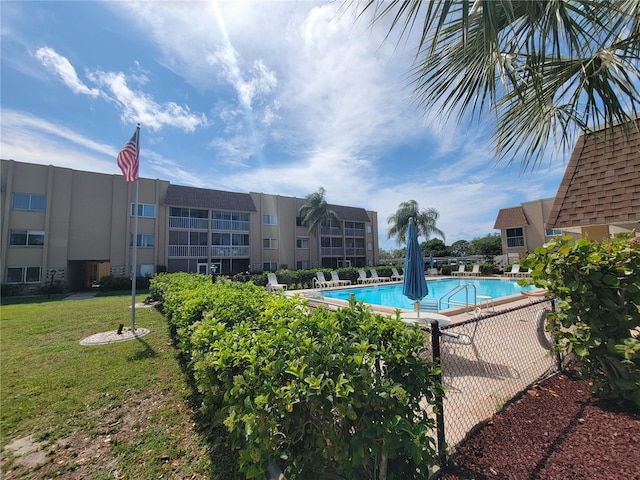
(435,347)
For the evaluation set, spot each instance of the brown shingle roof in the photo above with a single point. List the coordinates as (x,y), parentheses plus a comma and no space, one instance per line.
(180,196)
(511,217)
(350,214)
(601,185)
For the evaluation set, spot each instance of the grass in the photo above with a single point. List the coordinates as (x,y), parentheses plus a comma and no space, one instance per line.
(129,400)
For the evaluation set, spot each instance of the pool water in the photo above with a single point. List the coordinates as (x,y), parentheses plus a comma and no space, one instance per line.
(391,295)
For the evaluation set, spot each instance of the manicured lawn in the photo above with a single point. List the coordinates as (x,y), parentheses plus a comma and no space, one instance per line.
(130,401)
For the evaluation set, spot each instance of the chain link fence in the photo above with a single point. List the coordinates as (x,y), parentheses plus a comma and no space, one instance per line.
(486,361)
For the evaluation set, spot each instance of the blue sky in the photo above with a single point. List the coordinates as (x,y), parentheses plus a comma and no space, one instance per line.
(279,97)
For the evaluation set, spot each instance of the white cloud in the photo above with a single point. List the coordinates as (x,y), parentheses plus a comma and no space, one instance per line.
(61,67)
(138,106)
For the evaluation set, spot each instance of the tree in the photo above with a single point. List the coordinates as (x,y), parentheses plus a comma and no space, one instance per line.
(425,221)
(436,247)
(489,245)
(316,212)
(544,69)
(460,248)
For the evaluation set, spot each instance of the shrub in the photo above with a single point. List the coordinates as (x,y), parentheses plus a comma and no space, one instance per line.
(325,393)
(598,319)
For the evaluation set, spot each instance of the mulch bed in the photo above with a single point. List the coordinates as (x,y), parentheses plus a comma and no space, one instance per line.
(555,431)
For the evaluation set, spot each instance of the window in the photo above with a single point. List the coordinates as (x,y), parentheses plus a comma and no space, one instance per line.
(302,264)
(369,246)
(301,223)
(270,219)
(515,237)
(302,242)
(24,274)
(144,240)
(368,228)
(34,238)
(552,232)
(270,266)
(270,243)
(146,210)
(144,270)
(177,237)
(198,238)
(29,201)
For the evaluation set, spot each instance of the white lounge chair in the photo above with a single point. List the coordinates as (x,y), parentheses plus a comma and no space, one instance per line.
(515,271)
(396,275)
(337,280)
(377,278)
(459,272)
(273,284)
(475,272)
(321,282)
(362,277)
(524,274)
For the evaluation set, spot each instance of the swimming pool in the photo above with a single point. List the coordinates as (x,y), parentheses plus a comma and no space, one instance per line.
(391,295)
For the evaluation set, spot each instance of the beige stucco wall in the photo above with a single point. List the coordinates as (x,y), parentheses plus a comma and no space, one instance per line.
(88,225)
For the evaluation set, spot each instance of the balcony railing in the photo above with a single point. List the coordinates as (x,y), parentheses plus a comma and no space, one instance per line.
(332,251)
(218,251)
(354,232)
(186,222)
(335,231)
(515,242)
(188,251)
(235,225)
(354,252)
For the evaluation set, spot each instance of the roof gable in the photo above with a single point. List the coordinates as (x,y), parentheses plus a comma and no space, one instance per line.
(601,185)
(511,217)
(350,214)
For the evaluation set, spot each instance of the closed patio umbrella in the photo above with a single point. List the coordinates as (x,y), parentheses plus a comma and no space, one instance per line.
(414,284)
(431,260)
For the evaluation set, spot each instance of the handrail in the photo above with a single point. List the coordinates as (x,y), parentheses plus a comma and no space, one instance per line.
(456,290)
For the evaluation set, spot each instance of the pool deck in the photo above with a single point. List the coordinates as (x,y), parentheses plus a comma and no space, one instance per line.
(456,315)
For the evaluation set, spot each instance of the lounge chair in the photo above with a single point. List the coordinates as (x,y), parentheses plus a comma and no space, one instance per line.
(336,279)
(524,274)
(459,272)
(475,272)
(272,283)
(396,275)
(362,277)
(376,278)
(321,282)
(515,271)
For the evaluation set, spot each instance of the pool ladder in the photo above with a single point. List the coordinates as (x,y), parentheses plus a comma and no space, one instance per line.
(446,299)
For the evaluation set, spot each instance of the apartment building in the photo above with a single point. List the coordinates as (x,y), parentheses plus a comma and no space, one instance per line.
(524,228)
(76,227)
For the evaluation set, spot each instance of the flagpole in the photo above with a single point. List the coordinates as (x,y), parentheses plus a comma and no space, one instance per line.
(134,254)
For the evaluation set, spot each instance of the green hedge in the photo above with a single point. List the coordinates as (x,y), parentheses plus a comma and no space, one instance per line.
(327,394)
(598,288)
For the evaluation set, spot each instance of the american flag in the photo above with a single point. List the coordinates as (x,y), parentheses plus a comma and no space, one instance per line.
(128,158)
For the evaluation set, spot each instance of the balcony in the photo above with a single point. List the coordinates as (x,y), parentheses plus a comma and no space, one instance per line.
(199,251)
(187,222)
(354,252)
(332,251)
(234,225)
(218,251)
(332,231)
(354,232)
(515,242)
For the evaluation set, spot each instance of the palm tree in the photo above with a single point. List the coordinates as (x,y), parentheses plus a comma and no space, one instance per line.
(425,221)
(316,212)
(545,69)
